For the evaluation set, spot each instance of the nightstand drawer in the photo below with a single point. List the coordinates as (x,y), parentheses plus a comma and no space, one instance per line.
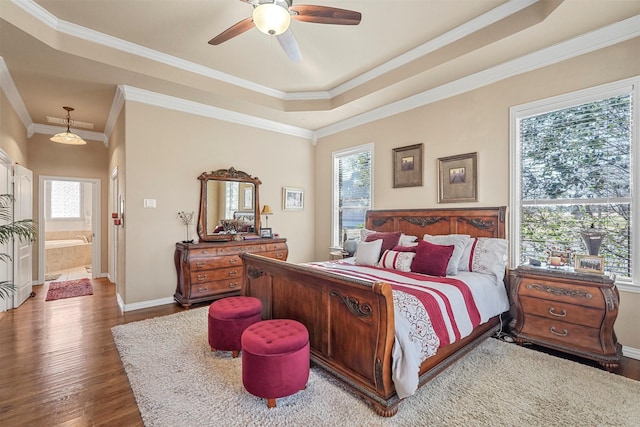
(587,296)
(558,310)
(562,333)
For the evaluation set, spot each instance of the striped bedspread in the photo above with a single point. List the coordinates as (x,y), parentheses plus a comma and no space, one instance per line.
(430,312)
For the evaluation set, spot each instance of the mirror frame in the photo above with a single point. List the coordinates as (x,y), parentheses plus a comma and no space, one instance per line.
(234,175)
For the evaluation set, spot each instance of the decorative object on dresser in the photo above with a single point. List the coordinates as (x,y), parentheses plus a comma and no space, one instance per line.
(458,178)
(567,311)
(224,197)
(266,211)
(407,166)
(187,219)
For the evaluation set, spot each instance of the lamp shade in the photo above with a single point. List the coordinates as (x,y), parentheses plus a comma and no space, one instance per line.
(271,19)
(266,210)
(67,138)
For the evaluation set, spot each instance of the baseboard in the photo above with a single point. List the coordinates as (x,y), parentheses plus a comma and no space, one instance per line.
(144,304)
(632,353)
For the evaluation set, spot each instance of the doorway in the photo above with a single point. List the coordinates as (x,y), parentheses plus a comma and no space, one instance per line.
(69,224)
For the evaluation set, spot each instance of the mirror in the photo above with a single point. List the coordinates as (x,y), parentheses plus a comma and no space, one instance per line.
(229,205)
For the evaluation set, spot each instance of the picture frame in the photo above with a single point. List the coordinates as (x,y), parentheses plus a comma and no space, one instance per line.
(266,233)
(292,199)
(593,264)
(564,256)
(407,166)
(458,178)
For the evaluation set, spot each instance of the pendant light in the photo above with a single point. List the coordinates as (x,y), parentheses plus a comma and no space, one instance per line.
(68,137)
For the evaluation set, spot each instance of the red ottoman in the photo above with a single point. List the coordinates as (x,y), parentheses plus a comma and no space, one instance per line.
(228,318)
(275,359)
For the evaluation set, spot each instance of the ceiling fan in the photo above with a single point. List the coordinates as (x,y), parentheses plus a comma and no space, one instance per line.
(274,16)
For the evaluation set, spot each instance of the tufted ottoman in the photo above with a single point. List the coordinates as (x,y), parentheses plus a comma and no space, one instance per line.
(275,359)
(228,318)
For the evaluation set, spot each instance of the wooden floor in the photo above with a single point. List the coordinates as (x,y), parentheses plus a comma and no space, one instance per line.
(60,367)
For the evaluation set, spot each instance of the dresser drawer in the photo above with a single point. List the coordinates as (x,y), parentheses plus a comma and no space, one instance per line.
(558,310)
(281,255)
(217,274)
(198,264)
(588,296)
(562,333)
(216,287)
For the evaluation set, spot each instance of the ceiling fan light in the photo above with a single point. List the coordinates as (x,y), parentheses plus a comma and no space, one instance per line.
(67,138)
(271,19)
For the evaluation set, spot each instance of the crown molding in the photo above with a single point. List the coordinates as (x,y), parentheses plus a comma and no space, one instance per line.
(131,93)
(11,92)
(580,45)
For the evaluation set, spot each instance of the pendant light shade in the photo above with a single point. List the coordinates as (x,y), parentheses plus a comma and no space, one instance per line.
(271,18)
(68,137)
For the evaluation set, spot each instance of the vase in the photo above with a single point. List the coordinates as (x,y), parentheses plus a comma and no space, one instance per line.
(350,246)
(592,239)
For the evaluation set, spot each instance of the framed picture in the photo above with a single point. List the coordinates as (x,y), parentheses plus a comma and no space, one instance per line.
(560,258)
(292,198)
(589,264)
(407,166)
(266,233)
(458,178)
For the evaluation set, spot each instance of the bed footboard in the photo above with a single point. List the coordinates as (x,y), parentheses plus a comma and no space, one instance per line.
(350,322)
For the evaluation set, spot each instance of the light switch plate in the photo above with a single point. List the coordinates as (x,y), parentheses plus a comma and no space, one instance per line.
(149,203)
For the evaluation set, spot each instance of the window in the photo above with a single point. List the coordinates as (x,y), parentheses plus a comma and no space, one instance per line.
(352,191)
(572,170)
(65,199)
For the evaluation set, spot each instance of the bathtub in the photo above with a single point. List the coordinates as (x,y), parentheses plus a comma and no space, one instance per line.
(66,254)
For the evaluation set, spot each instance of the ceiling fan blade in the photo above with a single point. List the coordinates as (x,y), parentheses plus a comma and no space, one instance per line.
(325,15)
(234,30)
(290,45)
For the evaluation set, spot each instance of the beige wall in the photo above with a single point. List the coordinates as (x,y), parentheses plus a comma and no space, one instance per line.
(165,153)
(84,161)
(13,135)
(476,121)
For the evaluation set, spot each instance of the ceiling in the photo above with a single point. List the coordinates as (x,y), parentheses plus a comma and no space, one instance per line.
(77,52)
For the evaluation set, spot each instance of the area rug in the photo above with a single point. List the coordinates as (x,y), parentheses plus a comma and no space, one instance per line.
(177,380)
(69,289)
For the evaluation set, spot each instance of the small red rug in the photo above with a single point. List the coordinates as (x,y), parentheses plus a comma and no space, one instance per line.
(69,289)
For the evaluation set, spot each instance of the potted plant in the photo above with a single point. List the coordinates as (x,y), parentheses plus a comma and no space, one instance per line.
(9,230)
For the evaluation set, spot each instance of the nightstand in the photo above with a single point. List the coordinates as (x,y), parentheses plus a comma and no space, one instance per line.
(338,254)
(567,311)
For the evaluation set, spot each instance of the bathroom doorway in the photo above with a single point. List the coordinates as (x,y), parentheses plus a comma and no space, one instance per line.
(69,227)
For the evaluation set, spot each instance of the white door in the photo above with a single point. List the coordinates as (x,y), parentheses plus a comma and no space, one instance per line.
(6,274)
(22,249)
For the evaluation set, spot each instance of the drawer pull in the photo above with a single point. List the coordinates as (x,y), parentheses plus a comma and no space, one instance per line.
(564,332)
(552,311)
(233,273)
(202,277)
(200,264)
(233,260)
(279,255)
(233,284)
(205,289)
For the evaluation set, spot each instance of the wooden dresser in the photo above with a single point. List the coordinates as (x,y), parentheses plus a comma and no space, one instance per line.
(567,311)
(208,271)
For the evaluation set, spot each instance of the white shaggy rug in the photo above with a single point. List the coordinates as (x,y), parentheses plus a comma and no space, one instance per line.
(178,381)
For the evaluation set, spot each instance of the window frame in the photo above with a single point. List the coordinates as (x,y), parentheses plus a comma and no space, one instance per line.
(336,235)
(627,86)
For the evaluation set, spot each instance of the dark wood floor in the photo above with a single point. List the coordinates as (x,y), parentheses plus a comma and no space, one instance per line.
(60,365)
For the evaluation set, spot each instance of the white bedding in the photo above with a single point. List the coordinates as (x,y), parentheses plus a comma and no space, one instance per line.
(415,336)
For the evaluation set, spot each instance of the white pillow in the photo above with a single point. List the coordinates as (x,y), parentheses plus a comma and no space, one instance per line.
(485,255)
(368,253)
(396,260)
(459,241)
(406,240)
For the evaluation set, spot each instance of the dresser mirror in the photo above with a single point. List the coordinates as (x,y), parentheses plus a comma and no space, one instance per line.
(229,205)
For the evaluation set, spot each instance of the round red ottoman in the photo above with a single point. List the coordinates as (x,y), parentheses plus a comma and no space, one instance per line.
(228,318)
(275,359)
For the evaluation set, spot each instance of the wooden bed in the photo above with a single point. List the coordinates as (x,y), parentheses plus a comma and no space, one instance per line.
(350,321)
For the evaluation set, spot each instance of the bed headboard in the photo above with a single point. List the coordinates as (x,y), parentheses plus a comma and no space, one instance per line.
(476,222)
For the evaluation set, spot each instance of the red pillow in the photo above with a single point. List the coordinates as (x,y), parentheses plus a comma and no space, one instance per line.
(431,259)
(389,239)
(405,248)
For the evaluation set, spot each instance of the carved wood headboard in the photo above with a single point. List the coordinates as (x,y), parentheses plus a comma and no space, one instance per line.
(476,222)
